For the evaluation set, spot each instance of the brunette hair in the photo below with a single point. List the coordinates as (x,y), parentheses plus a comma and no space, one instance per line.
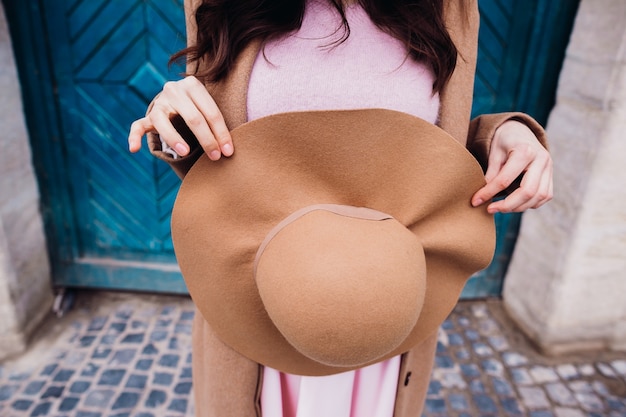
(226,27)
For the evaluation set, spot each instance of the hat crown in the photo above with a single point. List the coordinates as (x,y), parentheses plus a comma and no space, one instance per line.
(331,276)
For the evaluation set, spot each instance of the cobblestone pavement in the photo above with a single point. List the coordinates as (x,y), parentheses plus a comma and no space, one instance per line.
(118,355)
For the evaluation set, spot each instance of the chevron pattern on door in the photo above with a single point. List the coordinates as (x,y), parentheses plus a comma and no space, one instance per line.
(111,58)
(505,31)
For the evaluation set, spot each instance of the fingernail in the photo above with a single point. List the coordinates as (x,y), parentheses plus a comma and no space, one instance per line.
(215,155)
(227,149)
(477,202)
(181,149)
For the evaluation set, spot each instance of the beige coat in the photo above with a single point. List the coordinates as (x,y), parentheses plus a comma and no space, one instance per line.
(227,384)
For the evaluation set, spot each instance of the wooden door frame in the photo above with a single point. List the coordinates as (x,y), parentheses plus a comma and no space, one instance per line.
(31,47)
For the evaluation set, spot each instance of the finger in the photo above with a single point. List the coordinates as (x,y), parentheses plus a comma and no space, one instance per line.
(513,167)
(212,118)
(136,132)
(496,160)
(198,123)
(523,197)
(177,100)
(551,190)
(163,124)
(534,190)
(190,100)
(545,192)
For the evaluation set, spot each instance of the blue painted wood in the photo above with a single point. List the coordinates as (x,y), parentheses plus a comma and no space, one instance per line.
(108,221)
(521,49)
(125,276)
(89,67)
(37,83)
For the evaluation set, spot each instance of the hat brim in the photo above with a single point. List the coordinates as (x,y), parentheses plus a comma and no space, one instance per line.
(384,160)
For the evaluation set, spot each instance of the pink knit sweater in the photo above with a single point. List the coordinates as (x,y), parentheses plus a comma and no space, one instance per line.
(304,71)
(370,69)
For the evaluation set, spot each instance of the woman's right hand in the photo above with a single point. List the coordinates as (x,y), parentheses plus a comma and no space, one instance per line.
(190,99)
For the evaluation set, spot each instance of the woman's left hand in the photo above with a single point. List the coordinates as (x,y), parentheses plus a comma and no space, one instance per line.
(514,151)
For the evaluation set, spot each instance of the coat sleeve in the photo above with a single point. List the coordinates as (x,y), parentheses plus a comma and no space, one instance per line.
(483,128)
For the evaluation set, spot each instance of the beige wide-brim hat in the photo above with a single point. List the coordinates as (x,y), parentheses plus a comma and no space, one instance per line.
(331,240)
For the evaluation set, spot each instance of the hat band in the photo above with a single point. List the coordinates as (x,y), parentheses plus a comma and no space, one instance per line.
(342,210)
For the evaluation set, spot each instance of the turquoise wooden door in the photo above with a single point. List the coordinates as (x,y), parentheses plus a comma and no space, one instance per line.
(89,67)
(107,211)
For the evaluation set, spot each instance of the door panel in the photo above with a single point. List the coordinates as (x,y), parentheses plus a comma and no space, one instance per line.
(106,59)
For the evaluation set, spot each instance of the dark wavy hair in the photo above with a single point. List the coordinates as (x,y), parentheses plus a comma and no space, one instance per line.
(226,27)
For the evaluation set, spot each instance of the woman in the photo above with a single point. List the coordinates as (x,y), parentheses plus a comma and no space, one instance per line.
(248,59)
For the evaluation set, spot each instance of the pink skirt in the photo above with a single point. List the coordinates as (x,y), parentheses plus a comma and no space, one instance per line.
(365,392)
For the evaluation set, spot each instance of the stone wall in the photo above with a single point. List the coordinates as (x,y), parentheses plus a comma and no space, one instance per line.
(25,292)
(566,285)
